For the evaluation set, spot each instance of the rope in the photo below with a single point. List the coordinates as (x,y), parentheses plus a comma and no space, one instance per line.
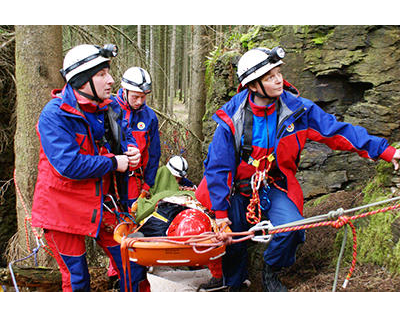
(259,176)
(28,219)
(211,240)
(38,236)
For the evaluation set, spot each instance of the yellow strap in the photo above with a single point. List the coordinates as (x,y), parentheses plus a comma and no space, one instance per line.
(160,217)
(256,163)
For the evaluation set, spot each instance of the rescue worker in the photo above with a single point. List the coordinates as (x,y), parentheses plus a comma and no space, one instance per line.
(76,164)
(136,85)
(268,118)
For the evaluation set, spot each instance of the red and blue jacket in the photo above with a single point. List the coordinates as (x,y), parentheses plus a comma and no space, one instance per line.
(74,164)
(143,123)
(299,119)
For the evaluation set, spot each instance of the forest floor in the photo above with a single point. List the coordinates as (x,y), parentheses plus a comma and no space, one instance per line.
(181,111)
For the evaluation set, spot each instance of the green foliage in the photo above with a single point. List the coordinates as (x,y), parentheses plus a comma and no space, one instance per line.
(377,242)
(247,39)
(321,38)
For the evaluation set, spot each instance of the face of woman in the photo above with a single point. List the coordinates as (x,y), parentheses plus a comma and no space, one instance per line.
(272,82)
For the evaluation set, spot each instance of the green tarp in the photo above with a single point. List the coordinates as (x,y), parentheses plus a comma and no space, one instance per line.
(165,185)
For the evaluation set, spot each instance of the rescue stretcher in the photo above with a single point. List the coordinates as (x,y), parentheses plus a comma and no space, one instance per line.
(167,251)
(164,253)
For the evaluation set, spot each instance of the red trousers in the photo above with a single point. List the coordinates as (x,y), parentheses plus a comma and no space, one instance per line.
(70,253)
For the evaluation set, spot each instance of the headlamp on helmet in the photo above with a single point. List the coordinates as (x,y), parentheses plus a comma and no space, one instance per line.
(277,53)
(109,50)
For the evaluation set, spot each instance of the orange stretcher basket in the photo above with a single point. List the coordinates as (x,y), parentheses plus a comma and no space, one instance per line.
(164,253)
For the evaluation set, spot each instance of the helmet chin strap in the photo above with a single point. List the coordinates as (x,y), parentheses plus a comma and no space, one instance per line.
(93,97)
(265,94)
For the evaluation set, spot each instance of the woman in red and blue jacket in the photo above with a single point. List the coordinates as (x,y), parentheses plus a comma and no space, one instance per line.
(143,122)
(282,122)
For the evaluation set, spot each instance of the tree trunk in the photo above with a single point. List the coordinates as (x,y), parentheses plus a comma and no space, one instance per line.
(38,58)
(198,95)
(49,280)
(172,72)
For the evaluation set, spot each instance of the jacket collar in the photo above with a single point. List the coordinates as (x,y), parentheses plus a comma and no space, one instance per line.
(259,110)
(70,99)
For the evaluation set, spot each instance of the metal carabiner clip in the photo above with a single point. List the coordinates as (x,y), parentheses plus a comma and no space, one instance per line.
(264,225)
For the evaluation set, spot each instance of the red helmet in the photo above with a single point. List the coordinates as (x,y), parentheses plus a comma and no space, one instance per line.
(189,222)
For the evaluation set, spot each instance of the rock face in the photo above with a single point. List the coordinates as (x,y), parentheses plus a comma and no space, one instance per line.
(352,72)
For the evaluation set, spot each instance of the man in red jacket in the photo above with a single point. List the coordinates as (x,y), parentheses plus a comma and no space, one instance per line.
(76,164)
(143,122)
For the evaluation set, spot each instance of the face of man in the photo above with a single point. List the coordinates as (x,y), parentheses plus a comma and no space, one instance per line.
(103,82)
(136,99)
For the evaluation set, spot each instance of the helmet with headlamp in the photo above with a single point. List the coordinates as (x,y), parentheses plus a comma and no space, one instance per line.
(84,57)
(82,62)
(257,62)
(136,79)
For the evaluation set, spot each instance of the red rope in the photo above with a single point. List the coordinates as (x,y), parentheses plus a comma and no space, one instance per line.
(253,217)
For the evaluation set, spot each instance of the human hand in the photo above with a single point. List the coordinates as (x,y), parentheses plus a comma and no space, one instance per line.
(395,159)
(122,162)
(134,156)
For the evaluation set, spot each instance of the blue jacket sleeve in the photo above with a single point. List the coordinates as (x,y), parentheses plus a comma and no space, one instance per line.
(220,168)
(62,150)
(325,128)
(127,130)
(154,153)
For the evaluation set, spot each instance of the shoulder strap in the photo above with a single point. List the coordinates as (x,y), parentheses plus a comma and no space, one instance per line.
(247,148)
(113,130)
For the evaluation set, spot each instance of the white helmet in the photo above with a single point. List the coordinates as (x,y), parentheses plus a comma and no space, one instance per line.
(84,57)
(257,62)
(178,166)
(136,79)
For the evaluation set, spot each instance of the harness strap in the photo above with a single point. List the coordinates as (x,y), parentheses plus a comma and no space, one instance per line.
(247,147)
